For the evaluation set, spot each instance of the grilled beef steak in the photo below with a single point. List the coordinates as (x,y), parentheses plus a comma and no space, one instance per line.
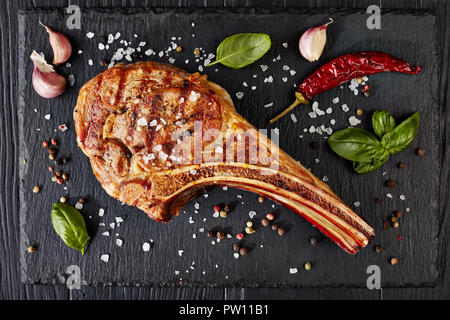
(157,137)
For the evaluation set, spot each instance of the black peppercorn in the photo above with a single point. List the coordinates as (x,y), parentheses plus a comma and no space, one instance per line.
(209,234)
(275,227)
(390,183)
(378,200)
(236,247)
(220,235)
(281,231)
(265,222)
(243,251)
(401,165)
(314,145)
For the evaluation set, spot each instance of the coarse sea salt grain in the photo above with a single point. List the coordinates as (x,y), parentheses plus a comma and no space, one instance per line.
(356,203)
(294,119)
(101,212)
(251,214)
(285,44)
(389,195)
(90,35)
(239,95)
(236,255)
(119,242)
(402,197)
(345,108)
(293,270)
(106,233)
(292,72)
(284,79)
(268,105)
(104,257)
(146,246)
(264,67)
(47,116)
(142,122)
(71,80)
(354,121)
(90,62)
(336,100)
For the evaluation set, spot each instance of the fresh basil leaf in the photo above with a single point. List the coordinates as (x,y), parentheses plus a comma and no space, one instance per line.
(242,49)
(354,144)
(402,136)
(378,160)
(382,122)
(69,225)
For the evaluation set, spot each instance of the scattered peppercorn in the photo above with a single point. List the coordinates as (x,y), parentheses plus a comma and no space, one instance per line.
(45,144)
(209,234)
(275,227)
(51,168)
(60,180)
(36,189)
(236,247)
(395,224)
(420,152)
(385,225)
(360,80)
(82,200)
(401,165)
(223,214)
(393,219)
(103,39)
(270,216)
(378,200)
(58,173)
(366,88)
(249,224)
(260,199)
(359,111)
(65,176)
(227,209)
(308,266)
(281,231)
(398,214)
(216,208)
(63,199)
(265,222)
(54,141)
(249,230)
(54,179)
(366,93)
(314,145)
(104,62)
(378,249)
(243,251)
(220,235)
(31,249)
(65,160)
(399,237)
(57,162)
(179,49)
(240,236)
(196,51)
(390,183)
(314,241)
(394,261)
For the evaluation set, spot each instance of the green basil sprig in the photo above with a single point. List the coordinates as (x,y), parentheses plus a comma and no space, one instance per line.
(242,49)
(366,151)
(69,225)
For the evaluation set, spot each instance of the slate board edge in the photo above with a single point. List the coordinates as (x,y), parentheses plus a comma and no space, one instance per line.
(23,149)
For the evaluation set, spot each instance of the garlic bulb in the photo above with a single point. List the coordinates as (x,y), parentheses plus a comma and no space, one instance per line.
(46,82)
(61,46)
(312,42)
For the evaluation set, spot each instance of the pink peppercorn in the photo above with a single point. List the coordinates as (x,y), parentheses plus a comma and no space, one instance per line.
(216,208)
(270,216)
(240,236)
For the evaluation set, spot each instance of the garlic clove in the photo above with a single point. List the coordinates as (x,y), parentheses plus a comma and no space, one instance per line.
(312,42)
(62,49)
(46,82)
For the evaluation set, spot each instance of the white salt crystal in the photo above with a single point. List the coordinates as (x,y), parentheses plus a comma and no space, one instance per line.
(146,246)
(90,35)
(336,100)
(239,95)
(294,119)
(345,108)
(101,212)
(354,121)
(293,270)
(268,105)
(104,257)
(264,67)
(119,242)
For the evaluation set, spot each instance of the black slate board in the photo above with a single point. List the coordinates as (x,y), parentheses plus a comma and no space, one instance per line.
(403,34)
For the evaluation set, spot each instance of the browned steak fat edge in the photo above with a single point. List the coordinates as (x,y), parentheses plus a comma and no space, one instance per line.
(133,120)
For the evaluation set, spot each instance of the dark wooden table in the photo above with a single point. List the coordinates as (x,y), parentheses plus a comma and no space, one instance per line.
(10,284)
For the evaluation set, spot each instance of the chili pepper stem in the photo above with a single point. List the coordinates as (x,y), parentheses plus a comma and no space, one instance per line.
(298,99)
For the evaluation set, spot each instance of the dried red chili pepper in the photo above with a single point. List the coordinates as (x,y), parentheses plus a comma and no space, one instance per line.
(346,68)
